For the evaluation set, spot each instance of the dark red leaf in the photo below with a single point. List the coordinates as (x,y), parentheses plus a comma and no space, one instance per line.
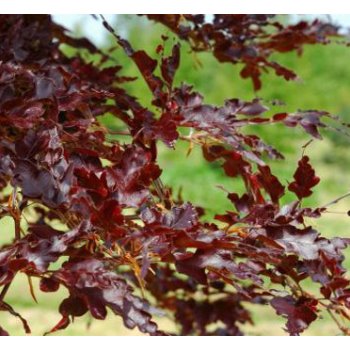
(300,313)
(304,179)
(49,285)
(270,183)
(98,288)
(170,65)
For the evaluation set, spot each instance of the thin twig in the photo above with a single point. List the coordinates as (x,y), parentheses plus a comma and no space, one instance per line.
(345,330)
(336,200)
(159,189)
(4,290)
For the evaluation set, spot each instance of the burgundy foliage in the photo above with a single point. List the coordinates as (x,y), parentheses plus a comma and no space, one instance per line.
(248,39)
(98,209)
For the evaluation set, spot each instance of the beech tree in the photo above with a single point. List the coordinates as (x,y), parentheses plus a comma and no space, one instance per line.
(125,243)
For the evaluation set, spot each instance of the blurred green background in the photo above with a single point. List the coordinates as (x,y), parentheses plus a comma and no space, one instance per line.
(324,85)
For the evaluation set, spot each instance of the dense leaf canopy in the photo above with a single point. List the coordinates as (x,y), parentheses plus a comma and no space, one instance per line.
(99,208)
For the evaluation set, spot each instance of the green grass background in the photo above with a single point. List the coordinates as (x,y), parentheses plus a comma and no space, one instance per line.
(324,84)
